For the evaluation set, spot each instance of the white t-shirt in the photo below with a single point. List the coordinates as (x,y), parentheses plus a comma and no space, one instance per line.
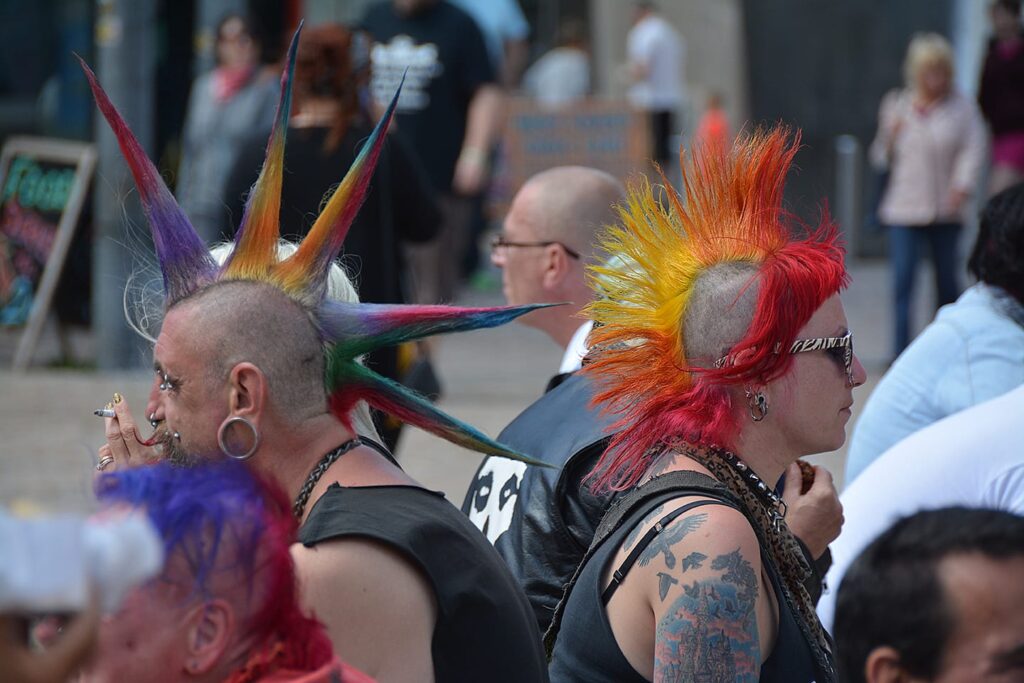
(577,349)
(559,78)
(974,458)
(653,43)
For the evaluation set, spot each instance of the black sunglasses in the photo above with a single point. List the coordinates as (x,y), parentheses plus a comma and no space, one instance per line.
(500,242)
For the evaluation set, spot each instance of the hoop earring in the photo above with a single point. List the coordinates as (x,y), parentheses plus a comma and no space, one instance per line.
(223,445)
(757,403)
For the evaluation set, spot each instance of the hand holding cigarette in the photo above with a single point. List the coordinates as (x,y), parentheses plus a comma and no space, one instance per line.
(124,447)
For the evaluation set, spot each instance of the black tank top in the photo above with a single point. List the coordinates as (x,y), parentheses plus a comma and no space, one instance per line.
(586,649)
(485,627)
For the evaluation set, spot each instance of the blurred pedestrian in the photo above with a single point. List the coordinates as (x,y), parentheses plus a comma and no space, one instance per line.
(449,112)
(1001,95)
(326,132)
(561,76)
(971,458)
(932,140)
(656,54)
(971,352)
(939,596)
(505,31)
(713,126)
(226,107)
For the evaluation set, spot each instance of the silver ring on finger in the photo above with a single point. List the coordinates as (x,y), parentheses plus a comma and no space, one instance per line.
(104,461)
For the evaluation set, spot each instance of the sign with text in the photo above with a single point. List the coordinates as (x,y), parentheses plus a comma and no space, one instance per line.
(607,135)
(42,188)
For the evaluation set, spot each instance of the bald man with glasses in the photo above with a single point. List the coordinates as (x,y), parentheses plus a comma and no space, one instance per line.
(545,245)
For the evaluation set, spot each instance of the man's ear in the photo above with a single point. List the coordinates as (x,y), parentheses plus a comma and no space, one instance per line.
(883,666)
(556,266)
(211,630)
(248,386)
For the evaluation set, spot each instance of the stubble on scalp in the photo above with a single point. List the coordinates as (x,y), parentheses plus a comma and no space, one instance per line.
(720,311)
(242,321)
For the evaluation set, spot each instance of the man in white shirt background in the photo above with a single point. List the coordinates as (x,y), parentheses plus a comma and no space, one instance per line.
(656,54)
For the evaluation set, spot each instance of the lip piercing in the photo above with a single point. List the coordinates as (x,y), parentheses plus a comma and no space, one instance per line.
(177,436)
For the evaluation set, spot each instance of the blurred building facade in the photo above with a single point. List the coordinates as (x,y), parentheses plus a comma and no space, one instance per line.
(822,67)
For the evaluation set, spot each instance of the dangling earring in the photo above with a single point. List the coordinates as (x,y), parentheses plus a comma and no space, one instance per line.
(757,403)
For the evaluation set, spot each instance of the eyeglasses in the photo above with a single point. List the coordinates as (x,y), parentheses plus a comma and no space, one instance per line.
(500,242)
(839,349)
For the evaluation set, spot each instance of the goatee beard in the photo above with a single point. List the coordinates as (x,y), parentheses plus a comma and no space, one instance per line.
(172,451)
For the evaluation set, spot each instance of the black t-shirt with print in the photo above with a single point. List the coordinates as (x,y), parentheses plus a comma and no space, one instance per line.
(447,62)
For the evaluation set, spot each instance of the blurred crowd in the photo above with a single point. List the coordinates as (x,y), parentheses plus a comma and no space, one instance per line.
(652,515)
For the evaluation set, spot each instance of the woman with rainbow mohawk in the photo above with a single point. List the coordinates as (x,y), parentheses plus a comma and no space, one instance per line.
(255,363)
(723,348)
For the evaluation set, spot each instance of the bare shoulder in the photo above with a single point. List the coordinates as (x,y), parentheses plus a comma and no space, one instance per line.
(372,599)
(702,576)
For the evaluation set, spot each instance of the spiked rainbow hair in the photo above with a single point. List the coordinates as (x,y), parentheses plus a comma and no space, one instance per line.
(349,330)
(732,212)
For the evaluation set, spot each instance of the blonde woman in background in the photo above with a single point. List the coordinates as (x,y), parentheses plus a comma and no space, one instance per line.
(931,139)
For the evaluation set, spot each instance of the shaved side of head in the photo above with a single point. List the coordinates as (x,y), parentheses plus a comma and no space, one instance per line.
(572,203)
(236,322)
(721,308)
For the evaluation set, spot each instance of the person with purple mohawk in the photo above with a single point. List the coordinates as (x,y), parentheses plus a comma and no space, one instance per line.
(227,600)
(255,362)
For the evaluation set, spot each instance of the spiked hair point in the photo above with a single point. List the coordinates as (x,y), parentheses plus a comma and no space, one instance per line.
(731,212)
(349,331)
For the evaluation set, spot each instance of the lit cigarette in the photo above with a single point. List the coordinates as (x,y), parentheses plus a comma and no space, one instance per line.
(104,412)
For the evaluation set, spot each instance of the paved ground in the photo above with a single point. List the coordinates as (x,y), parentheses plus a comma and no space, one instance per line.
(48,435)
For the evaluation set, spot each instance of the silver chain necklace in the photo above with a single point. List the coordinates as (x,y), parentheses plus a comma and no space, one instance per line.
(299,506)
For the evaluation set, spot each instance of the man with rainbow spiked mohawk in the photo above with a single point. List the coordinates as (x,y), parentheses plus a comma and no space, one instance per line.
(724,350)
(255,363)
(226,605)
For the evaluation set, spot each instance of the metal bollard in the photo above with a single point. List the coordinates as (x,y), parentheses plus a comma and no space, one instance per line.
(849,197)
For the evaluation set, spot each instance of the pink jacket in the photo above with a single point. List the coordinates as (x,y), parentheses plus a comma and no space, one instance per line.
(929,154)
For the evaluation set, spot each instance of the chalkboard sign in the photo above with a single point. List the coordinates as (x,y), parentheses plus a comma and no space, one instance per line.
(43,183)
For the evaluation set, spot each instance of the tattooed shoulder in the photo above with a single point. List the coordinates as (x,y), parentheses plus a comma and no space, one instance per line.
(709,631)
(664,544)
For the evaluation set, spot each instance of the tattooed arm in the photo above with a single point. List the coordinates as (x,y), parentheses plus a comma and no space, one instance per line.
(703,585)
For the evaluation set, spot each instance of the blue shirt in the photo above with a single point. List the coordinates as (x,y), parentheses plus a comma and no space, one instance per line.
(498,20)
(973,351)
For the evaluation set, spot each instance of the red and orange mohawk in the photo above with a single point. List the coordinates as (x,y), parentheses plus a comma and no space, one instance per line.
(732,213)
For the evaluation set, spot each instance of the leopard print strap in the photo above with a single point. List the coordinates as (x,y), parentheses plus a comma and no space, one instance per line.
(781,546)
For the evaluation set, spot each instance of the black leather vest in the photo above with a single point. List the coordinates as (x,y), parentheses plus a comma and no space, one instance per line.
(541,520)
